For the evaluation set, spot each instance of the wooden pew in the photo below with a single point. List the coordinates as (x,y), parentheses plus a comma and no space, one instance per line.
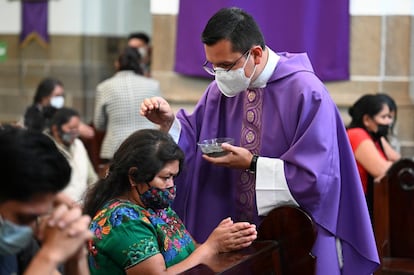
(285,239)
(393,219)
(295,232)
(93,147)
(262,257)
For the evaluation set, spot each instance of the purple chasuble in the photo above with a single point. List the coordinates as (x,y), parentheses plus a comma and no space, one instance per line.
(301,125)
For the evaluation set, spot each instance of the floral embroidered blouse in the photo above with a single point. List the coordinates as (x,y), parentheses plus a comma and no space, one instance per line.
(126,234)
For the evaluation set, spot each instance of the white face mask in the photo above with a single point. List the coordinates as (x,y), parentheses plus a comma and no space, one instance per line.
(143,51)
(233,82)
(57,101)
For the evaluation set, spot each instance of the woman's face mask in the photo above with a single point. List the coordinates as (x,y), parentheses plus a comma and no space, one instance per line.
(68,137)
(57,101)
(383,130)
(143,51)
(157,198)
(233,82)
(13,238)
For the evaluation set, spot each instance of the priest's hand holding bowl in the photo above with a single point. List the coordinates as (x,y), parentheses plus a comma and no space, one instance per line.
(236,157)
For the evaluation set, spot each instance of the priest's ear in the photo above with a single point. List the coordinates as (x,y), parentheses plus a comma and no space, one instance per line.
(257,51)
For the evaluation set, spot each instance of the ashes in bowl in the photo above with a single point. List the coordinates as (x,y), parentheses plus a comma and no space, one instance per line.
(212,147)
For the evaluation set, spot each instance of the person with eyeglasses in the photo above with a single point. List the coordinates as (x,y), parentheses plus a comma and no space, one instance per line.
(291,146)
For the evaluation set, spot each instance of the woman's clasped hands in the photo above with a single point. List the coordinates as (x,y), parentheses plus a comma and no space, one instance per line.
(229,236)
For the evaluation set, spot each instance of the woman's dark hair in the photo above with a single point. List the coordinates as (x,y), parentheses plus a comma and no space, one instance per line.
(30,164)
(130,60)
(45,89)
(148,150)
(368,104)
(235,25)
(62,116)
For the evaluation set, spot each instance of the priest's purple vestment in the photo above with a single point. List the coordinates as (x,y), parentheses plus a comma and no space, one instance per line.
(300,125)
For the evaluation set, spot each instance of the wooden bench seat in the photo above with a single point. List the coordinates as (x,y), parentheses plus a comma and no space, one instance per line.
(393,219)
(285,239)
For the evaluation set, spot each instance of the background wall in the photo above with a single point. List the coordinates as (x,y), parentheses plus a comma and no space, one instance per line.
(86,36)
(382,60)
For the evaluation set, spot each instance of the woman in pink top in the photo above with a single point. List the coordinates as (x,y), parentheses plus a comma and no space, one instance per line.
(369,126)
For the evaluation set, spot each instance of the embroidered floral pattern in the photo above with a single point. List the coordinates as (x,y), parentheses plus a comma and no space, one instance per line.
(131,234)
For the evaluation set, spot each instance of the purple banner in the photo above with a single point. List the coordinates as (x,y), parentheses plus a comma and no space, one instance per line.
(318,27)
(34,22)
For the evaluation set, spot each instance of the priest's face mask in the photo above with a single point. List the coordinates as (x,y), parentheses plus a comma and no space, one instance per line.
(232,82)
(233,71)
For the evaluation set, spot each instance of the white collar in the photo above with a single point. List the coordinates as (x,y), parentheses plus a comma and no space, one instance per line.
(267,72)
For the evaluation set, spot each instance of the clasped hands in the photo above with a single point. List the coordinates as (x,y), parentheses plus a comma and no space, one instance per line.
(229,236)
(63,233)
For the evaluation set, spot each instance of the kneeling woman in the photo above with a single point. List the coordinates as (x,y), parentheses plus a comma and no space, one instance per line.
(135,230)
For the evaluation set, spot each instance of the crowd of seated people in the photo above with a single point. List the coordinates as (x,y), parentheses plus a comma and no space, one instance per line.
(135,196)
(123,223)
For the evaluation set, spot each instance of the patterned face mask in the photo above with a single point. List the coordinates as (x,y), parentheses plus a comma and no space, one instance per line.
(157,198)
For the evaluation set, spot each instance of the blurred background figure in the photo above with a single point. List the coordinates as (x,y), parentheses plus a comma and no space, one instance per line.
(49,96)
(392,135)
(64,131)
(367,131)
(33,172)
(141,41)
(118,100)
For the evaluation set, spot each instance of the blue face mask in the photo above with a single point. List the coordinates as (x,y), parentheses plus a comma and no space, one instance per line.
(13,238)
(68,137)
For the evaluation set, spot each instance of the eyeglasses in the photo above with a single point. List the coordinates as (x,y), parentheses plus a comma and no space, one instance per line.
(209,68)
